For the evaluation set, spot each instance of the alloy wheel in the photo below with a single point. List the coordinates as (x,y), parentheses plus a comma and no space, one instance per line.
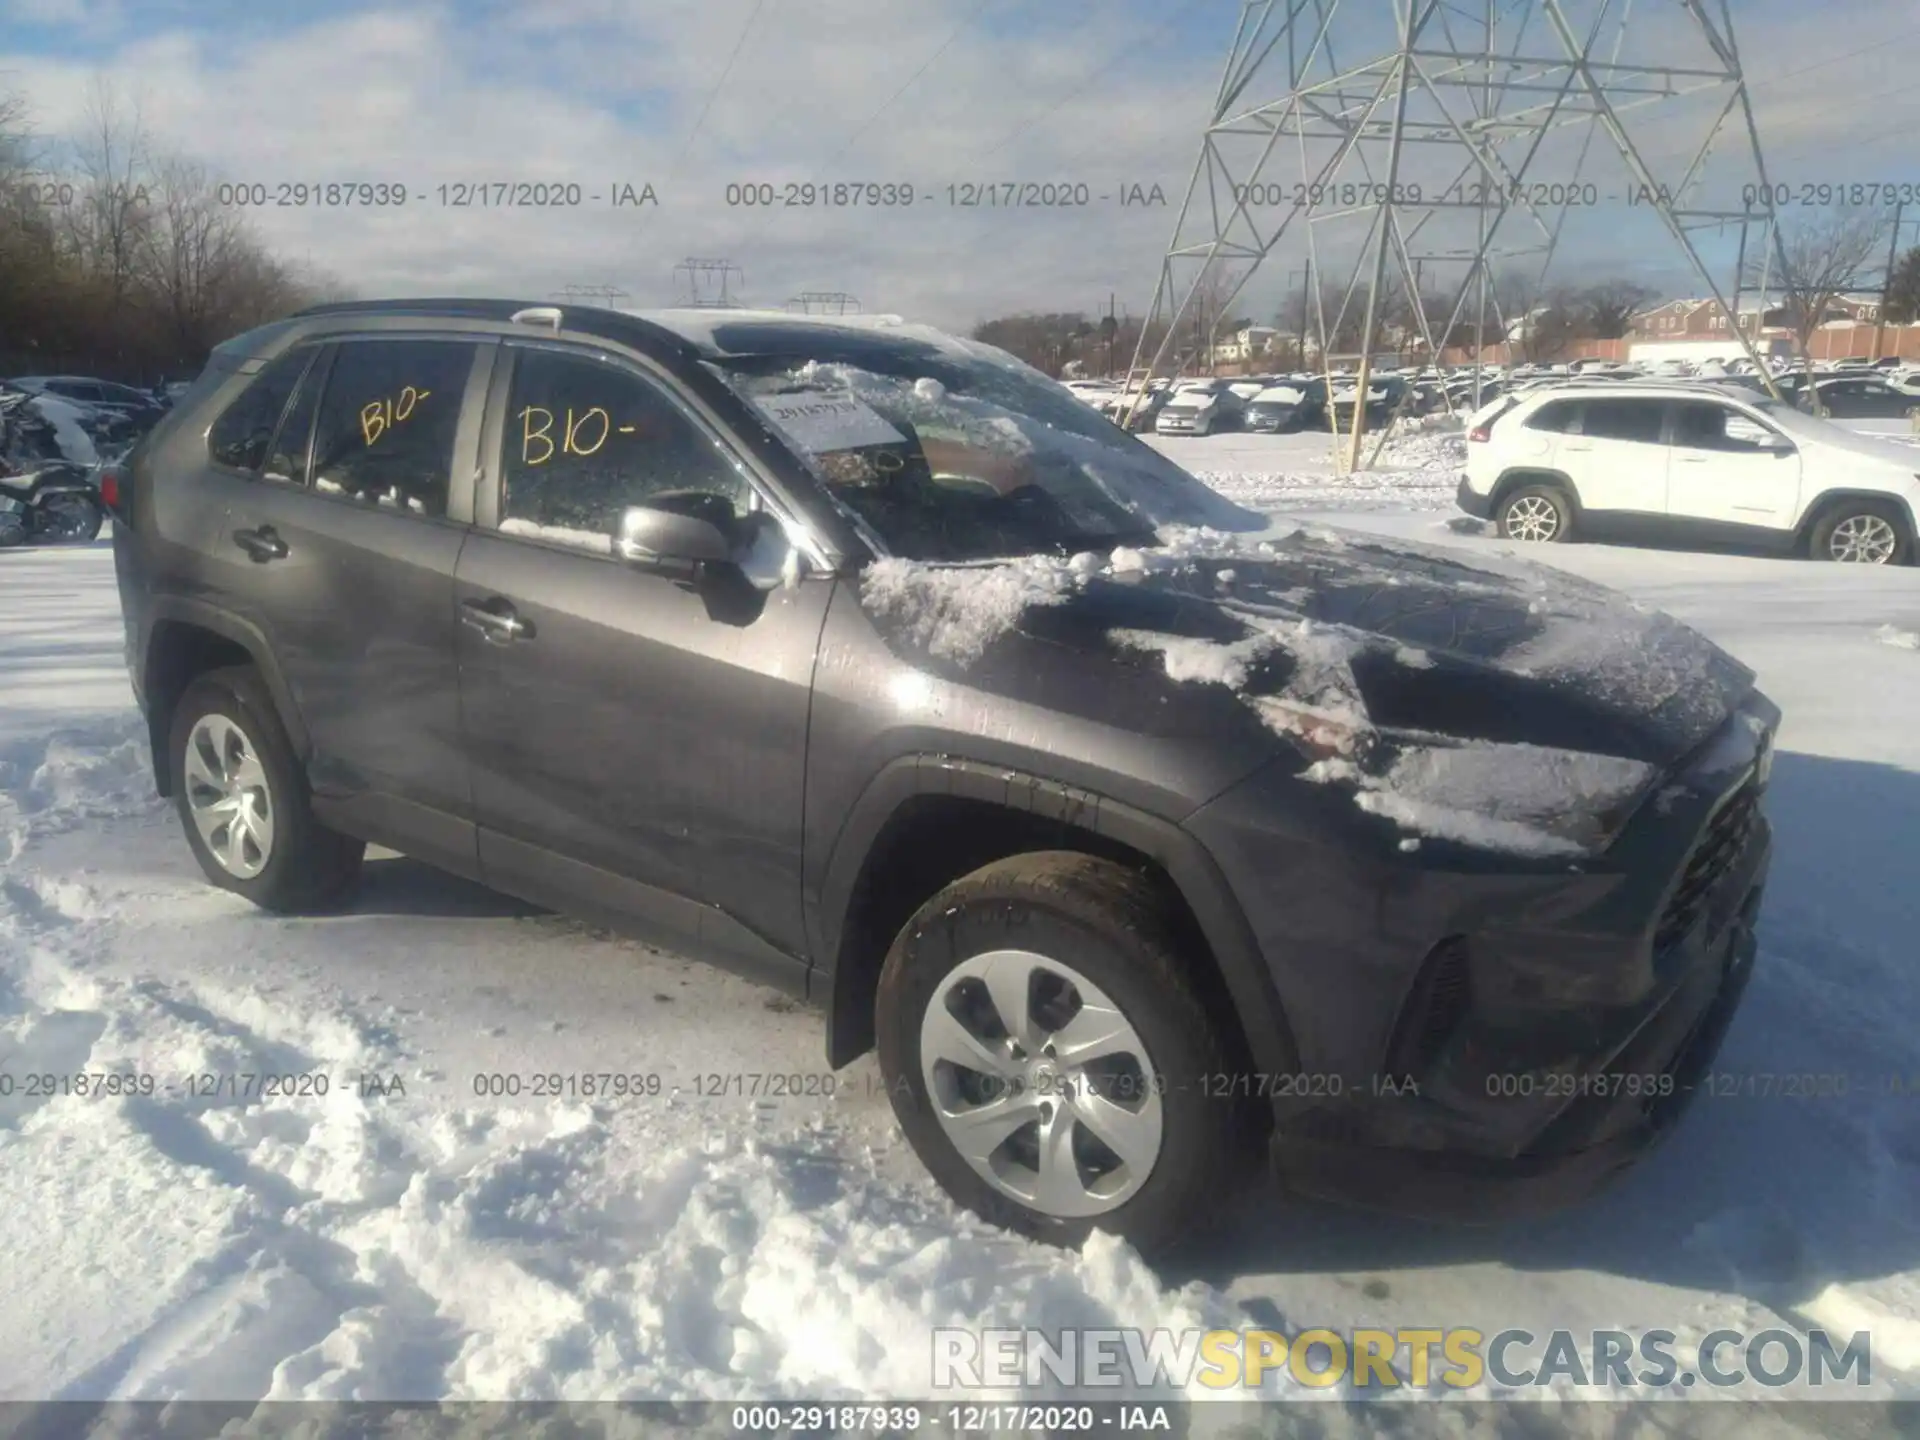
(1532,517)
(1041,1084)
(228,796)
(1863,540)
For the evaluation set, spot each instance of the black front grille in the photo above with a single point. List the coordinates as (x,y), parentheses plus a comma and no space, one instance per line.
(1717,851)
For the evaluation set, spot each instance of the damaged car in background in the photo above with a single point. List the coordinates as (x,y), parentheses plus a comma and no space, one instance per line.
(1139,836)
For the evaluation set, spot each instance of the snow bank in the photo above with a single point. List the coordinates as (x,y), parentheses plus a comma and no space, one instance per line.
(1898,638)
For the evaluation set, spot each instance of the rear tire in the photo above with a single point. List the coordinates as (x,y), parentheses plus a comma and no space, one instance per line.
(244,803)
(1861,532)
(1536,513)
(1091,949)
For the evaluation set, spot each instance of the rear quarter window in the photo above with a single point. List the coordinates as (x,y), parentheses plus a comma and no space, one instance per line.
(239,438)
(1556,417)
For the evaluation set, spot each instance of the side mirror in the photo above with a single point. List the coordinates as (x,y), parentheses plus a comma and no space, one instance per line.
(668,541)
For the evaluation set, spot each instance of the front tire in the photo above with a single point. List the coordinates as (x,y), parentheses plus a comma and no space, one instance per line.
(244,804)
(1861,532)
(1536,513)
(1050,1059)
(68,520)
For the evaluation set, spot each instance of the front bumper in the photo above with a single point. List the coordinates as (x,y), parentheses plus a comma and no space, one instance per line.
(1477,1035)
(1479,506)
(1678,1044)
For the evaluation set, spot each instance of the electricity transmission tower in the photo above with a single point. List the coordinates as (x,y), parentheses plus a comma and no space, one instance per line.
(595,294)
(1417,154)
(706,282)
(824,302)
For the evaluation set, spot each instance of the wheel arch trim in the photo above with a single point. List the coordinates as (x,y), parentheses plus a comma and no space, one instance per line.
(185,611)
(1192,870)
(1516,477)
(1826,500)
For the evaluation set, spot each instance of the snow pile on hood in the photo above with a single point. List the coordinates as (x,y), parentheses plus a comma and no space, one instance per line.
(957,611)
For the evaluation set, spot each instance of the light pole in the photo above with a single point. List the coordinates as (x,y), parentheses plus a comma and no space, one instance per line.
(1300,340)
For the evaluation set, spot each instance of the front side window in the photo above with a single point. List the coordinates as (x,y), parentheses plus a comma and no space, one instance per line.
(949,450)
(586,438)
(387,421)
(1636,420)
(239,438)
(1724,431)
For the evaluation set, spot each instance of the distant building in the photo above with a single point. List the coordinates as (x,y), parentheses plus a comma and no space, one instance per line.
(1249,343)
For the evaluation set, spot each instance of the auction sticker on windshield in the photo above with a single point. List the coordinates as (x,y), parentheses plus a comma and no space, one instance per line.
(821,423)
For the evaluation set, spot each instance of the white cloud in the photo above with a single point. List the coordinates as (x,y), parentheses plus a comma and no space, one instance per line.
(605,91)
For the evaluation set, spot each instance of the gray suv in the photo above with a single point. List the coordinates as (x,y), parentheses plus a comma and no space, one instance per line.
(1139,836)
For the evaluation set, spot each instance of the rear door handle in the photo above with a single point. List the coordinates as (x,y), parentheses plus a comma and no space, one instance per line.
(496,619)
(262,545)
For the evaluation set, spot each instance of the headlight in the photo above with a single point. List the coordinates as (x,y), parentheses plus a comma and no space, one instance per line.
(1526,799)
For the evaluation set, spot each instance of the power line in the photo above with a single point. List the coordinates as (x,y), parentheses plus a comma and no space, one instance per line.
(912,80)
(860,129)
(739,44)
(1087,83)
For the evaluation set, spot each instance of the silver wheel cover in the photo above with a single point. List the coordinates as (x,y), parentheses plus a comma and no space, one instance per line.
(228,796)
(1532,517)
(1863,540)
(1041,1084)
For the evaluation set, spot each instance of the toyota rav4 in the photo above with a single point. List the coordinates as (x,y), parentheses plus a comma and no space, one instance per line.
(1138,834)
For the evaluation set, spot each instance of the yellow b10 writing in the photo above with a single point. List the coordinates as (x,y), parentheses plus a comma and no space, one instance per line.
(379,416)
(581,434)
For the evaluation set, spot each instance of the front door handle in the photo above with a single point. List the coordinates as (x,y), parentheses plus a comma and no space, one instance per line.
(262,545)
(496,619)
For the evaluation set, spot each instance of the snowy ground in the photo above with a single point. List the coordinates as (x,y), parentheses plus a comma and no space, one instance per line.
(438,1243)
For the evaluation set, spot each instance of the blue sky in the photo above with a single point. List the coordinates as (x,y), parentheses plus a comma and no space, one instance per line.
(694,95)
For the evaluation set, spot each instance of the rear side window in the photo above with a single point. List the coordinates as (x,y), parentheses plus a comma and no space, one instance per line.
(387,420)
(1623,420)
(239,438)
(1556,417)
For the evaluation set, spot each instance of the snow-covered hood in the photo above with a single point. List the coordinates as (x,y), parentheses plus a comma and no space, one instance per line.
(1280,396)
(1336,639)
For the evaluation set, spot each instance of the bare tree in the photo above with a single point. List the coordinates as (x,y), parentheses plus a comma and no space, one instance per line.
(1903,290)
(189,257)
(1608,307)
(106,223)
(1819,261)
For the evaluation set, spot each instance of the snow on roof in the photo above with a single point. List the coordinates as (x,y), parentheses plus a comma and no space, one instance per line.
(699,323)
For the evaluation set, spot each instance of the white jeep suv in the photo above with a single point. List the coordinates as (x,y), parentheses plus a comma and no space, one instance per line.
(1706,463)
